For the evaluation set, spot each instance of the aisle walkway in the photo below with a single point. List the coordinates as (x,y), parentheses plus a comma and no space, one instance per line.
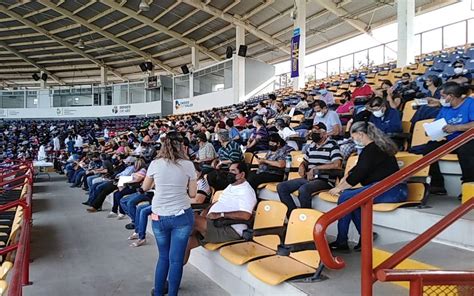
(76,253)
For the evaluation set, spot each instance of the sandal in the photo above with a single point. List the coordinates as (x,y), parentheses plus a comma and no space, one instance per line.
(138,243)
(133,236)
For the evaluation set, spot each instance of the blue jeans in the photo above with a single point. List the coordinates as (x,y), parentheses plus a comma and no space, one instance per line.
(78,177)
(118,195)
(90,179)
(95,190)
(399,193)
(172,234)
(141,220)
(130,202)
(305,190)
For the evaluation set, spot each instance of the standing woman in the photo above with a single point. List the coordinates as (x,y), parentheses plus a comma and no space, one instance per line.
(376,162)
(175,184)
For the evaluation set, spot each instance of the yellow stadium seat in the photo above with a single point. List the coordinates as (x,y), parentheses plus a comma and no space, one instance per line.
(351,162)
(273,185)
(450,157)
(416,193)
(298,263)
(269,214)
(248,157)
(419,136)
(3,287)
(408,112)
(5,268)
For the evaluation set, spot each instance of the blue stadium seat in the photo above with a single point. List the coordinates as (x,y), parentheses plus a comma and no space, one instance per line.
(470,64)
(470,52)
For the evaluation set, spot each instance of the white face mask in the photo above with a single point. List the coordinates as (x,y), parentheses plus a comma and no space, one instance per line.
(378,113)
(458,71)
(358,143)
(319,114)
(444,103)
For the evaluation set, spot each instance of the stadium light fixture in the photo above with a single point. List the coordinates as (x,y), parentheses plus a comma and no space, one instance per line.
(144,6)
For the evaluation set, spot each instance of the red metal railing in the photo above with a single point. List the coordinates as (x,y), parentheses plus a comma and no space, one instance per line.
(364,200)
(422,278)
(20,272)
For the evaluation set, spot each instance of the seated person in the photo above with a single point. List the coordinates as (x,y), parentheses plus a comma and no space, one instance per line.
(346,109)
(322,154)
(432,94)
(461,75)
(303,103)
(383,116)
(259,139)
(233,132)
(206,153)
(261,109)
(240,120)
(325,95)
(286,133)
(376,162)
(362,89)
(271,167)
(404,91)
(328,117)
(203,190)
(141,221)
(458,111)
(236,202)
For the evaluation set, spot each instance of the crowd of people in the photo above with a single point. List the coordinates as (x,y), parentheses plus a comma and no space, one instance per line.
(161,168)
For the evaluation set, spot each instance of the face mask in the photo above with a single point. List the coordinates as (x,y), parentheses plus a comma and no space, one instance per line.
(319,114)
(378,113)
(323,91)
(444,103)
(231,178)
(316,137)
(458,71)
(358,144)
(405,81)
(273,147)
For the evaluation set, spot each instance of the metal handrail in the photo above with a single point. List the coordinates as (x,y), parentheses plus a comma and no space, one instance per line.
(364,200)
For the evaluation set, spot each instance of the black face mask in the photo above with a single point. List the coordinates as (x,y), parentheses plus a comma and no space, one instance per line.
(231,178)
(273,147)
(316,137)
(406,81)
(358,83)
(425,85)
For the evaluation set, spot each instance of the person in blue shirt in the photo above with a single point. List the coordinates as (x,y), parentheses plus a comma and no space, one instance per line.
(234,133)
(458,111)
(383,117)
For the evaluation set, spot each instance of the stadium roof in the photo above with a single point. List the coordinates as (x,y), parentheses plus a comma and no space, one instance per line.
(43,35)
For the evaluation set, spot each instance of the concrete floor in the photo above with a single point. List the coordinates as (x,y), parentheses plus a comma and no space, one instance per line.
(76,253)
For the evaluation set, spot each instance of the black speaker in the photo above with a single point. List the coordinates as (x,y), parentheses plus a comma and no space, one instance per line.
(35,77)
(185,69)
(229,52)
(149,66)
(142,67)
(243,51)
(44,76)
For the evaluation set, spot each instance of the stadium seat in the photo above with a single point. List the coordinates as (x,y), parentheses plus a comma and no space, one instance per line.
(3,287)
(300,259)
(351,162)
(5,268)
(297,158)
(270,215)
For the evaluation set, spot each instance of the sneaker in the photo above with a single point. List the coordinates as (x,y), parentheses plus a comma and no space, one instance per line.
(130,226)
(86,203)
(138,243)
(133,236)
(120,216)
(111,215)
(335,246)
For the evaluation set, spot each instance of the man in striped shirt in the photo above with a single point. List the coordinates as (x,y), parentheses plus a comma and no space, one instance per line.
(322,154)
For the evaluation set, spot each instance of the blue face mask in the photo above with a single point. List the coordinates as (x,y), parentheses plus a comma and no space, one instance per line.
(323,91)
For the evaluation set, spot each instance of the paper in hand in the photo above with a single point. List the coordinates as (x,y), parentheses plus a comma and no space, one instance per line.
(434,130)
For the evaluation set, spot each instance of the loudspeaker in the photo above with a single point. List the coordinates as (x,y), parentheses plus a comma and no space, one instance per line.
(44,76)
(149,66)
(142,67)
(228,53)
(35,77)
(185,69)
(243,50)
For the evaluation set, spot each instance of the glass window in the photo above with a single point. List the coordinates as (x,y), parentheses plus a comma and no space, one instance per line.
(31,99)
(431,41)
(376,56)
(454,35)
(181,86)
(347,63)
(309,73)
(360,59)
(391,51)
(12,99)
(333,67)
(137,93)
(153,95)
(321,71)
(212,79)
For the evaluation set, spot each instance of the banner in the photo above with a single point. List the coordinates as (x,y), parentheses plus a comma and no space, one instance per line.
(295,53)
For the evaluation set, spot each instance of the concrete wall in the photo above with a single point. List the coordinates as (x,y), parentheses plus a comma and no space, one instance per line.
(256,73)
(204,102)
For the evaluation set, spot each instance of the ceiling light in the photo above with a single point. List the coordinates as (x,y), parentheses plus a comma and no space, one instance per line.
(80,44)
(144,5)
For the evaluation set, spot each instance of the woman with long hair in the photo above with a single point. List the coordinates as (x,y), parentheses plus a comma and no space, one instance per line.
(174,177)
(376,162)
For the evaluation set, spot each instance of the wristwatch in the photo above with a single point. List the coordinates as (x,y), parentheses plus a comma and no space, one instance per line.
(222,215)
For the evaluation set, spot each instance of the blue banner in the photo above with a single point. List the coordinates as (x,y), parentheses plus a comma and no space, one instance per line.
(295,53)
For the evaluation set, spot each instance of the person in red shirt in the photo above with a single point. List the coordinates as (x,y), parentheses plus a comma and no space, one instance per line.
(241,120)
(362,89)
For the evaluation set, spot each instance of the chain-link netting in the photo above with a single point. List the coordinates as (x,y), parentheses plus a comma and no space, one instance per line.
(448,290)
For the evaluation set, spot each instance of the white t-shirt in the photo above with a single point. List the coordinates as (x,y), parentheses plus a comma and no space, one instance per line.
(56,144)
(236,198)
(79,142)
(330,120)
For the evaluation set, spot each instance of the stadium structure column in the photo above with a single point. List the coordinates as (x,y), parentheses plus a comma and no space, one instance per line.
(195,57)
(103,76)
(299,56)
(239,66)
(406,37)
(42,81)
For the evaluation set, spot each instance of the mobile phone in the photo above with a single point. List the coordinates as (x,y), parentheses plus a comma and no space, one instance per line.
(256,156)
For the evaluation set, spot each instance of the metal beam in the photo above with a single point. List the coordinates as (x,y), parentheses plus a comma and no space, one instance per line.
(106,34)
(238,22)
(161,28)
(343,14)
(30,24)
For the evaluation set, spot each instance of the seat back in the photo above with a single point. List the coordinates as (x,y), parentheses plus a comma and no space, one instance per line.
(408,112)
(351,162)
(406,160)
(248,157)
(416,192)
(4,269)
(297,158)
(270,213)
(419,136)
(300,225)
